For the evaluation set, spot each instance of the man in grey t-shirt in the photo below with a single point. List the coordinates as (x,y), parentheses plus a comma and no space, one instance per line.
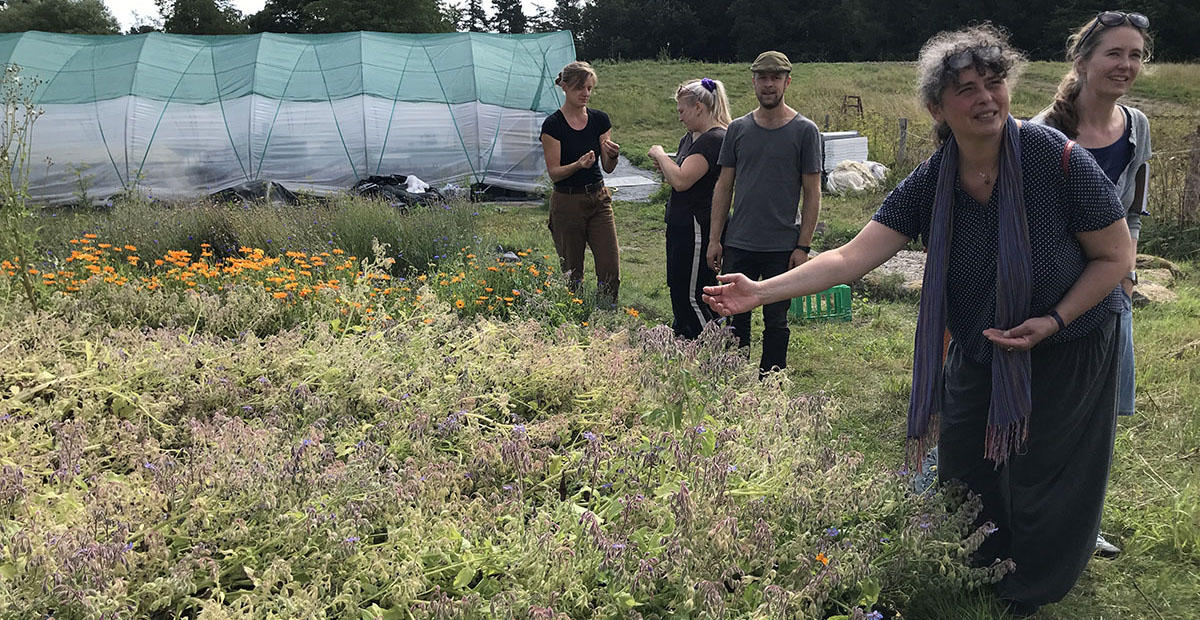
(774,154)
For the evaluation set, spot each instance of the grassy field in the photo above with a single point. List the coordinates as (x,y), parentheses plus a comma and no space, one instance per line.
(638,95)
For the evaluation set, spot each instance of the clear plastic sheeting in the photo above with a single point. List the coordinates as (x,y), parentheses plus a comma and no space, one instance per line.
(183,116)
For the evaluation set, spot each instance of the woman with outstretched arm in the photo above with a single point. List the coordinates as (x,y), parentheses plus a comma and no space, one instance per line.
(1027,244)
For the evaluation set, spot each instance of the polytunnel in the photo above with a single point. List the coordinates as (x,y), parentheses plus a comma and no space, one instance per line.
(181,116)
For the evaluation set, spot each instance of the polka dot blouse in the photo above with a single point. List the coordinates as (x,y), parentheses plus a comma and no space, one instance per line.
(1058,204)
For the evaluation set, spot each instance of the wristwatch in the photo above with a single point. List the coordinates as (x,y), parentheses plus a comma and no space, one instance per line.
(1132,277)
(807,249)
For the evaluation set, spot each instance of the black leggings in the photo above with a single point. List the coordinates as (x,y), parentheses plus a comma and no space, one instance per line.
(687,275)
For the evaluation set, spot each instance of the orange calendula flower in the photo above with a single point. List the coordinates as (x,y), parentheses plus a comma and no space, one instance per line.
(279,295)
(460,304)
(631,312)
(821,557)
(337,251)
(131,248)
(427,321)
(89,236)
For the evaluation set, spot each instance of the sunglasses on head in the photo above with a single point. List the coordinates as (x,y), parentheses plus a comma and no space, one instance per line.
(967,57)
(1112,19)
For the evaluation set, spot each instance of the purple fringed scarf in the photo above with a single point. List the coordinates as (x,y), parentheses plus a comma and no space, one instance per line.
(1008,415)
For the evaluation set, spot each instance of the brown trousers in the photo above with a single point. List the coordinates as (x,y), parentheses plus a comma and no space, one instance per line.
(579,220)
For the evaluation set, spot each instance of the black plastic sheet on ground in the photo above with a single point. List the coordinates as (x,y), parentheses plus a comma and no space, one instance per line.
(394,189)
(257,191)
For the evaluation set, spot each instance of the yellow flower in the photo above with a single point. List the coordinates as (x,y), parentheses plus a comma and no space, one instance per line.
(631,312)
(460,304)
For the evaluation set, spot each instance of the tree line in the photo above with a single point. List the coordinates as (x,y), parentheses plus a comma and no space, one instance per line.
(707,30)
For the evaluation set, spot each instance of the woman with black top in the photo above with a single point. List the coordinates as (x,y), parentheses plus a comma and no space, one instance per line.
(704,111)
(576,140)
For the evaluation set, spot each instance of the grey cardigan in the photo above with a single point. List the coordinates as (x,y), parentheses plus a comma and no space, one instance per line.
(1127,182)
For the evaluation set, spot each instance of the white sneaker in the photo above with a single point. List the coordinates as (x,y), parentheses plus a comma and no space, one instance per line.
(1106,549)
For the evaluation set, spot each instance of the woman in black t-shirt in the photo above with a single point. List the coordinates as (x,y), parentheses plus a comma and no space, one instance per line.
(704,111)
(576,140)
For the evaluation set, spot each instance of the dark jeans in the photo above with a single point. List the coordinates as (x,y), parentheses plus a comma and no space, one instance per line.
(687,275)
(760,266)
(1047,498)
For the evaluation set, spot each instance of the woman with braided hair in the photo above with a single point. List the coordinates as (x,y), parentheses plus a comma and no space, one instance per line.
(704,111)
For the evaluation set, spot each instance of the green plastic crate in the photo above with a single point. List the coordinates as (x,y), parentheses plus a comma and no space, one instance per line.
(829,305)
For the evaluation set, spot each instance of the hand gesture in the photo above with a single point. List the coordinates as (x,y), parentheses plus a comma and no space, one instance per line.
(587,160)
(738,294)
(656,151)
(1024,336)
(611,149)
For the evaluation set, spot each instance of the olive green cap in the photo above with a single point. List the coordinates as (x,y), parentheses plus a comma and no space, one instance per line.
(772,62)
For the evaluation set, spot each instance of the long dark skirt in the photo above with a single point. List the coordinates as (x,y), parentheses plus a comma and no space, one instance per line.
(1046,500)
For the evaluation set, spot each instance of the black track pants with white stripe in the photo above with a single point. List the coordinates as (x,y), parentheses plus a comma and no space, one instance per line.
(687,275)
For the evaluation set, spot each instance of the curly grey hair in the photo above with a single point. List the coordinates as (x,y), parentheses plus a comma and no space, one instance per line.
(934,72)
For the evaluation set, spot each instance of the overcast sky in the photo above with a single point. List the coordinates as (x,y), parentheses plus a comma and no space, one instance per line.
(125,10)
